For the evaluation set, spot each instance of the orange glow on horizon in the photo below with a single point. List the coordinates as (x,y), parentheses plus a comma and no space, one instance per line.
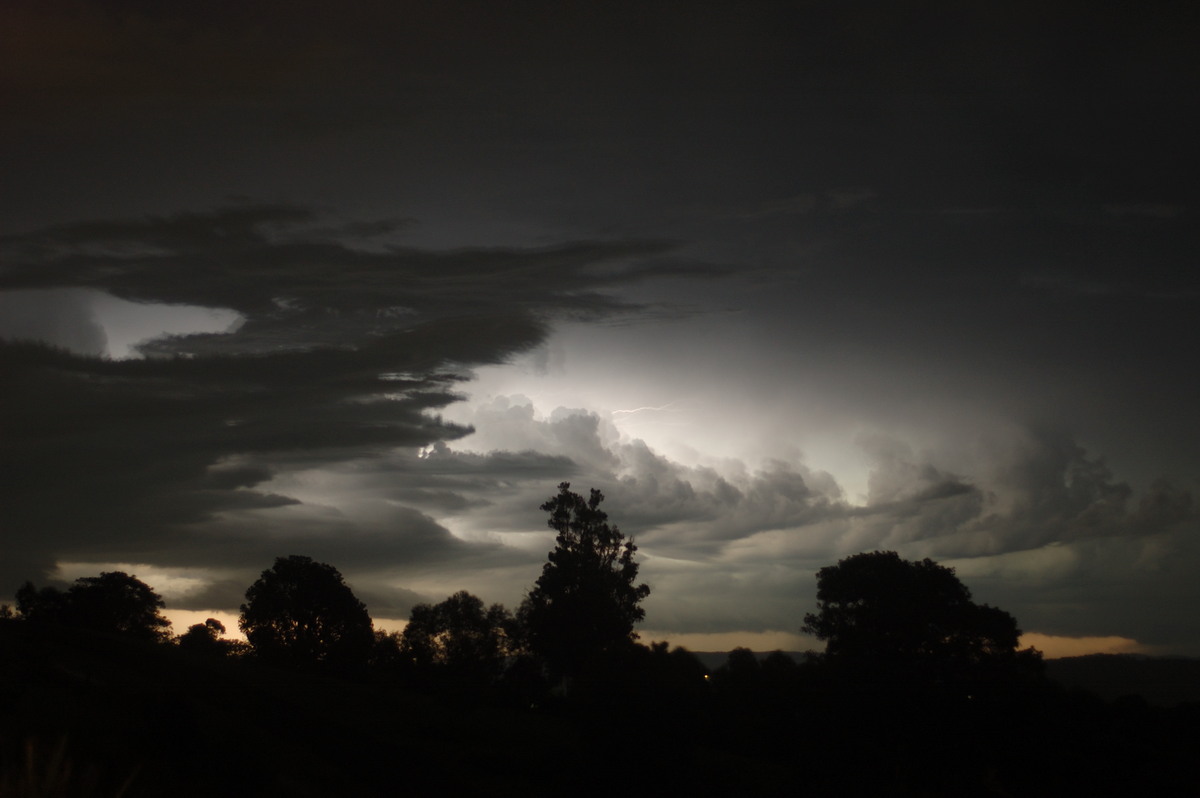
(1055,646)
(1051,646)
(182,619)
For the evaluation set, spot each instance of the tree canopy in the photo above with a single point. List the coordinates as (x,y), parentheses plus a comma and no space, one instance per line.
(587,599)
(459,637)
(112,603)
(303,613)
(878,610)
(204,639)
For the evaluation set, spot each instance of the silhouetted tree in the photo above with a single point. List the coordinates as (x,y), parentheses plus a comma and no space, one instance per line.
(302,613)
(587,599)
(112,603)
(741,666)
(881,613)
(779,670)
(385,654)
(674,674)
(459,637)
(48,605)
(745,671)
(204,638)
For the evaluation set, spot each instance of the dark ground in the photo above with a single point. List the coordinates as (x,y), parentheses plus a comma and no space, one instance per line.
(92,716)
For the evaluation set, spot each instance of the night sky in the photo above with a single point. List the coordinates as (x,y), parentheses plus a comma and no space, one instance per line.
(787,281)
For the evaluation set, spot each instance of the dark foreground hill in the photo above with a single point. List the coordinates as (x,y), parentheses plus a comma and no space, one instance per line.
(1162,681)
(86,715)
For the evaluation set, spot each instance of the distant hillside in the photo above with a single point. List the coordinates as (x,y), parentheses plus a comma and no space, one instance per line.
(715,659)
(1164,681)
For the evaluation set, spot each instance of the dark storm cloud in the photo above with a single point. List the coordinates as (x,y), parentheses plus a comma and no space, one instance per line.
(676,105)
(377,544)
(1054,492)
(1043,490)
(259,261)
(343,353)
(103,457)
(922,211)
(63,316)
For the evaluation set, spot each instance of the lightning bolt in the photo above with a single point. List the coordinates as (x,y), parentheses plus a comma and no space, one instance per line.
(666,407)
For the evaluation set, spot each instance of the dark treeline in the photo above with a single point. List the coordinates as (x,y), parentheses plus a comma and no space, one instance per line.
(920,691)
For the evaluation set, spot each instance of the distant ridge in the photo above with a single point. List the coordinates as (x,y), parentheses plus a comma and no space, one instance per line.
(715,659)
(1164,681)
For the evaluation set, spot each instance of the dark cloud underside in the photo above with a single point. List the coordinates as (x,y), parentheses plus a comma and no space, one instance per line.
(343,354)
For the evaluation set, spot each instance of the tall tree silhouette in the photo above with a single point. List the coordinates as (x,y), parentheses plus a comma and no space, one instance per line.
(302,613)
(587,599)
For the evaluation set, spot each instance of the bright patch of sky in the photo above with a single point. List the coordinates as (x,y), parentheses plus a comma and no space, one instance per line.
(694,416)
